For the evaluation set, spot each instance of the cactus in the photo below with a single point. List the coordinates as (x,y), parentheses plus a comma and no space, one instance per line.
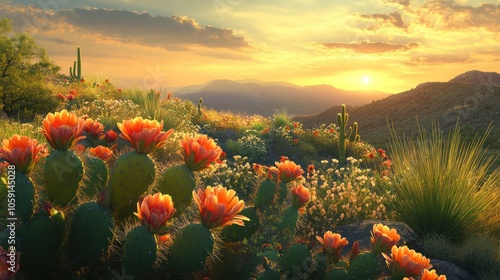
(282,192)
(351,134)
(139,251)
(192,245)
(25,196)
(91,232)
(97,176)
(354,136)
(131,177)
(295,260)
(62,173)
(199,112)
(364,266)
(337,273)
(235,233)
(265,193)
(76,71)
(290,218)
(269,274)
(179,182)
(40,242)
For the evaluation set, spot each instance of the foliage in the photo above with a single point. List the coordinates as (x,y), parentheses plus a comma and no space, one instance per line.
(441,184)
(23,68)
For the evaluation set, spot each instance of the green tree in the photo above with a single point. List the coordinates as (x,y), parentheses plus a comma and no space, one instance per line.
(24,67)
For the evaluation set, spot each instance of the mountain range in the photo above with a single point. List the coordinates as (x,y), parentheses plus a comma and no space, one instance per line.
(264,98)
(471,100)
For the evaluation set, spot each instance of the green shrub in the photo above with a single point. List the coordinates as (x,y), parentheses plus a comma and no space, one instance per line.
(439,247)
(480,255)
(439,183)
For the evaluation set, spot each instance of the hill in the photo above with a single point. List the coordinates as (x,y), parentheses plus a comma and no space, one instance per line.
(473,98)
(263,98)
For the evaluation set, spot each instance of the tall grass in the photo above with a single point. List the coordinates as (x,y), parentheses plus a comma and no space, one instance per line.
(442,184)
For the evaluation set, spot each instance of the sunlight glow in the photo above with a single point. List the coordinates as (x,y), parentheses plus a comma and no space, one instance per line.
(365,80)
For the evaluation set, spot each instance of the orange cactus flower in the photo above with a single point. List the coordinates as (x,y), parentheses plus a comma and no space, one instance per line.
(431,275)
(101,152)
(144,135)
(119,90)
(404,262)
(9,264)
(155,210)
(383,238)
(23,152)
(387,163)
(73,92)
(315,133)
(110,136)
(61,97)
(62,129)
(219,207)
(200,152)
(288,171)
(310,168)
(300,196)
(93,128)
(332,244)
(70,97)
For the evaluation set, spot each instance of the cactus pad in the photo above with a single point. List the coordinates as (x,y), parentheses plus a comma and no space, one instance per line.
(178,182)
(235,233)
(139,251)
(97,176)
(62,173)
(25,196)
(364,266)
(265,193)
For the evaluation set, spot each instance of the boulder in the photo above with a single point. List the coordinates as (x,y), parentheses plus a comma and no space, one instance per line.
(450,270)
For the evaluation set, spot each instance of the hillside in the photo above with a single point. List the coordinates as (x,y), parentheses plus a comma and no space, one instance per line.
(264,98)
(475,103)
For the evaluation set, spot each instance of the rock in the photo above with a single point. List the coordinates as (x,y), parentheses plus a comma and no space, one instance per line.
(450,270)
(362,232)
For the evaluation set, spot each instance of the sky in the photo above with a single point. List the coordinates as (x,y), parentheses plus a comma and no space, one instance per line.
(386,45)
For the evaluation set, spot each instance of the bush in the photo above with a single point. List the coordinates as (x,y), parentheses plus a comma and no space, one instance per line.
(480,255)
(441,184)
(439,247)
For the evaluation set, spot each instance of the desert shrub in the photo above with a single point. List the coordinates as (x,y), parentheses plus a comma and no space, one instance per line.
(281,119)
(109,112)
(480,254)
(440,184)
(254,148)
(439,247)
(343,195)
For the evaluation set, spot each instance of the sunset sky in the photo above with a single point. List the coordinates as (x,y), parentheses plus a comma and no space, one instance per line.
(387,45)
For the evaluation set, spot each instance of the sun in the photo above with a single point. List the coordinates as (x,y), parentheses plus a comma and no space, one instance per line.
(365,80)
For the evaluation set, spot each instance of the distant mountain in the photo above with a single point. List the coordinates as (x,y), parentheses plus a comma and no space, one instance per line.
(263,98)
(472,98)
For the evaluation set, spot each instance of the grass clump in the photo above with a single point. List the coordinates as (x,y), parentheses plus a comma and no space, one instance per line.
(442,184)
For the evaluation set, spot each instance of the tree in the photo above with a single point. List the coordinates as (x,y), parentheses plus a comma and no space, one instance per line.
(24,66)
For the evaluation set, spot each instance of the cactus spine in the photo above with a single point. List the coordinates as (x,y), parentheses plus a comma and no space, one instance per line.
(97,176)
(139,251)
(76,71)
(62,173)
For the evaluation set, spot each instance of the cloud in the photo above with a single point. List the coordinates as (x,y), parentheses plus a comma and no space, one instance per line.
(404,3)
(439,59)
(393,19)
(448,15)
(366,47)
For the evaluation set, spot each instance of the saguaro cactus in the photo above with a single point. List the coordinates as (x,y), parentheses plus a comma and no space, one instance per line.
(351,134)
(76,71)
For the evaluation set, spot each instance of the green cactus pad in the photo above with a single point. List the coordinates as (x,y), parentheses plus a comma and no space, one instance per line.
(364,266)
(282,192)
(62,173)
(192,245)
(337,274)
(131,177)
(269,274)
(25,196)
(296,259)
(225,267)
(91,232)
(40,242)
(290,218)
(235,233)
(265,193)
(178,182)
(321,266)
(139,251)
(97,176)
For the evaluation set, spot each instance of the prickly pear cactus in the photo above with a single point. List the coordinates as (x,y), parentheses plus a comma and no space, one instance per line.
(192,245)
(265,193)
(25,196)
(179,182)
(139,251)
(269,274)
(338,273)
(296,259)
(235,233)
(290,218)
(131,177)
(40,242)
(282,192)
(62,173)
(97,176)
(91,233)
(364,266)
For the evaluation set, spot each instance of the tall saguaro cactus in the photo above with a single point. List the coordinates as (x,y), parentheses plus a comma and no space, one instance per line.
(351,134)
(76,71)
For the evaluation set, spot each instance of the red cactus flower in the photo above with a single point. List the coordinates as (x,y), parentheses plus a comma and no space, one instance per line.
(288,171)
(383,238)
(155,210)
(315,133)
(404,262)
(200,152)
(9,265)
(387,163)
(61,97)
(93,128)
(144,135)
(301,196)
(106,81)
(62,129)
(70,97)
(119,90)
(110,136)
(82,80)
(219,207)
(310,168)
(101,152)
(73,92)
(23,152)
